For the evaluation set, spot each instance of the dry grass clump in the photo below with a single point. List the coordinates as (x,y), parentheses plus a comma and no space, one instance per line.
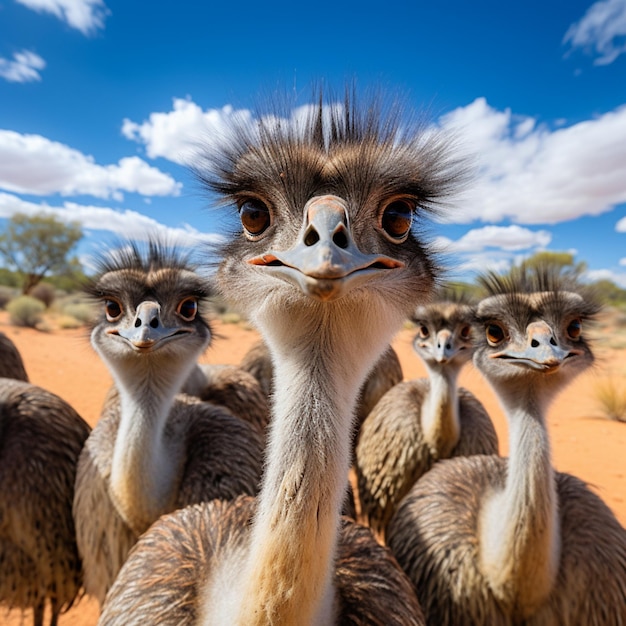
(611,398)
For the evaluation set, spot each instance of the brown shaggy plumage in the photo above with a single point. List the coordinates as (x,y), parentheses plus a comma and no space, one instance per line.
(11,363)
(372,590)
(41,437)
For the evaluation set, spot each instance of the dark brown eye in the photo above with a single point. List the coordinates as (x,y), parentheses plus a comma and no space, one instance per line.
(466,331)
(575,328)
(423,331)
(187,309)
(495,334)
(397,218)
(113,310)
(255,217)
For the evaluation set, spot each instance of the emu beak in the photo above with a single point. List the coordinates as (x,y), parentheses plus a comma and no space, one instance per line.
(325,263)
(541,351)
(148,329)
(444,348)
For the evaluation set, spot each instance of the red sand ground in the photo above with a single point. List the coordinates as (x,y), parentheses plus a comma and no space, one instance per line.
(584,443)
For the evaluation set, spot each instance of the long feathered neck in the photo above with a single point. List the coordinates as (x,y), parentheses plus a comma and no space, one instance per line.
(319,368)
(145,464)
(440,410)
(519,527)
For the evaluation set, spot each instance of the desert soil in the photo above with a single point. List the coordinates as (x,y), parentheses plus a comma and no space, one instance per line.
(584,442)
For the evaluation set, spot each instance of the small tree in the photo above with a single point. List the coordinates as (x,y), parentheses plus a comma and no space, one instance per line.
(37,245)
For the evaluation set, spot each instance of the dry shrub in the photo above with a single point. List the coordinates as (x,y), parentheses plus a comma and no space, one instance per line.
(6,295)
(26,311)
(611,397)
(43,292)
(67,322)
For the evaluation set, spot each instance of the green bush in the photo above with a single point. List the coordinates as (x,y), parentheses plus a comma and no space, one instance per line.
(26,311)
(80,311)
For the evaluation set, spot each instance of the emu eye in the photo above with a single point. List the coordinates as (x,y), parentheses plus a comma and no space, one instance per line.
(187,309)
(466,331)
(495,334)
(397,218)
(113,310)
(575,328)
(423,331)
(255,217)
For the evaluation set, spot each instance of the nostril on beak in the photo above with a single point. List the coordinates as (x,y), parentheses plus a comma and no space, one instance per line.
(137,323)
(154,323)
(340,239)
(534,343)
(311,237)
(553,341)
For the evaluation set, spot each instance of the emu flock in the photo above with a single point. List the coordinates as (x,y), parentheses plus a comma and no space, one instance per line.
(220,495)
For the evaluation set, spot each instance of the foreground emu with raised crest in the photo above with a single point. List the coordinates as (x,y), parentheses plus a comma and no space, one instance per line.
(327,264)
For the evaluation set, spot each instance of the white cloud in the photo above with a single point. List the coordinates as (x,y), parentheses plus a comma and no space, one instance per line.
(177,134)
(509,238)
(600,31)
(533,175)
(125,224)
(620,227)
(87,16)
(23,69)
(36,165)
(494,248)
(478,264)
(525,172)
(604,274)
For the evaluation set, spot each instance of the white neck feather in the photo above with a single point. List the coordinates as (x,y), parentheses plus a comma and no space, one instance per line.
(519,526)
(286,577)
(145,462)
(440,411)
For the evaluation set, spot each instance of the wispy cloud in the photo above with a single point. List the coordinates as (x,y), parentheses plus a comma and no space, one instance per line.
(605,274)
(533,175)
(24,68)
(87,16)
(36,165)
(601,31)
(125,223)
(491,248)
(511,238)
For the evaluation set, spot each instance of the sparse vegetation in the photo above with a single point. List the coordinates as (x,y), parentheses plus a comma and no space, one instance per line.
(82,312)
(37,245)
(230,318)
(611,397)
(26,311)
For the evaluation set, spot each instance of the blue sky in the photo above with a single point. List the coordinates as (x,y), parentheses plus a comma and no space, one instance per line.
(100,99)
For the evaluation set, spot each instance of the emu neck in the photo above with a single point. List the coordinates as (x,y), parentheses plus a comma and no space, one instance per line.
(291,560)
(440,411)
(520,535)
(143,467)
